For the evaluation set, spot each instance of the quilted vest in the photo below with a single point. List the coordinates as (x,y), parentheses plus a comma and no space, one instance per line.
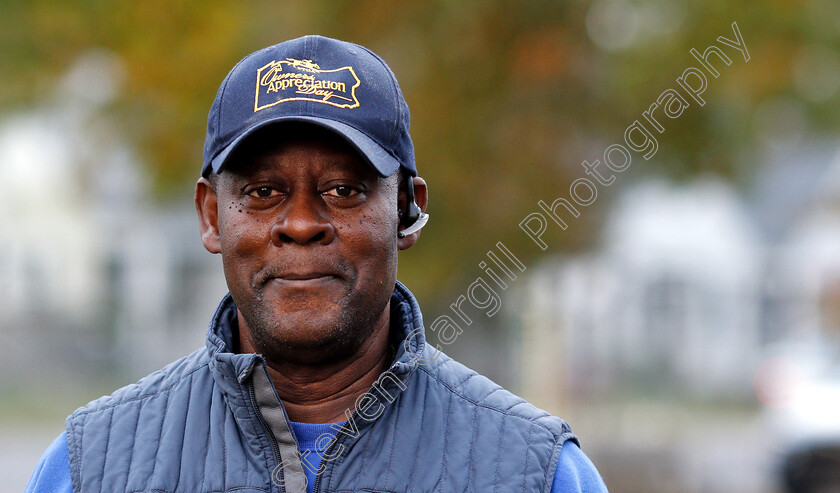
(212,422)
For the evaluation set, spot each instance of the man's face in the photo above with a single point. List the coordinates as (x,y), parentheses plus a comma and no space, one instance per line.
(308,236)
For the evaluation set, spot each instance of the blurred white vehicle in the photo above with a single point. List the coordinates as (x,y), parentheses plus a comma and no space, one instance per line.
(799,384)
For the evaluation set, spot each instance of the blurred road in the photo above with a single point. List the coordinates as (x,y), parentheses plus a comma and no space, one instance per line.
(659,448)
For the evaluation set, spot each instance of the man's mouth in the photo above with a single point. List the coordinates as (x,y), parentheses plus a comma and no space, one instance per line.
(303,280)
(304,277)
(291,275)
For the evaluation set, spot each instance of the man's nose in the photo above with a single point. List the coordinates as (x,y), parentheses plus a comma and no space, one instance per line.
(304,220)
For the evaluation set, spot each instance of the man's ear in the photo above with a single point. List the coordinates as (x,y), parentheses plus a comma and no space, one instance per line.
(421,197)
(208,215)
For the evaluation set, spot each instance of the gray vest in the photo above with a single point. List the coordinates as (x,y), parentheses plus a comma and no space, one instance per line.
(212,422)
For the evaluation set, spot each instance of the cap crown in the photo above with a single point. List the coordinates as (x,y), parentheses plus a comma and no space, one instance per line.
(335,84)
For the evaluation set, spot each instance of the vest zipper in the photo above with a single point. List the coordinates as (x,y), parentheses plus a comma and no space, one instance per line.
(332,444)
(316,486)
(267,430)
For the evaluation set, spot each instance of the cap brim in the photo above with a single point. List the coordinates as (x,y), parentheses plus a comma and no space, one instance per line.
(384,163)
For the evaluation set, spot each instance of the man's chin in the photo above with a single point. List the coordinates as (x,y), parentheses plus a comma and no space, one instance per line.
(297,336)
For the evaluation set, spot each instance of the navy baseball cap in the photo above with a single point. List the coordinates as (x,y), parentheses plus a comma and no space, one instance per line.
(337,85)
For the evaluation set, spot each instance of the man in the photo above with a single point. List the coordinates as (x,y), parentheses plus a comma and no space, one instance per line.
(316,375)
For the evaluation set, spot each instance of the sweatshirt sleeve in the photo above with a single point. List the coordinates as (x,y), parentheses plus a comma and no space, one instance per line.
(575,472)
(52,474)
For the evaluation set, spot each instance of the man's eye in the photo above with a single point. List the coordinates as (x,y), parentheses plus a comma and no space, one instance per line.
(342,191)
(262,192)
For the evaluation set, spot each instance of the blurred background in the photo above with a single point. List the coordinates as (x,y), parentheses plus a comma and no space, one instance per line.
(686,323)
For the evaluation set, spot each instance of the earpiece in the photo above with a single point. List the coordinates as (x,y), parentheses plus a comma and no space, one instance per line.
(413,218)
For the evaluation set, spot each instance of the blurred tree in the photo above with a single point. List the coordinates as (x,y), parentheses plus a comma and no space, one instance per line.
(507,97)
